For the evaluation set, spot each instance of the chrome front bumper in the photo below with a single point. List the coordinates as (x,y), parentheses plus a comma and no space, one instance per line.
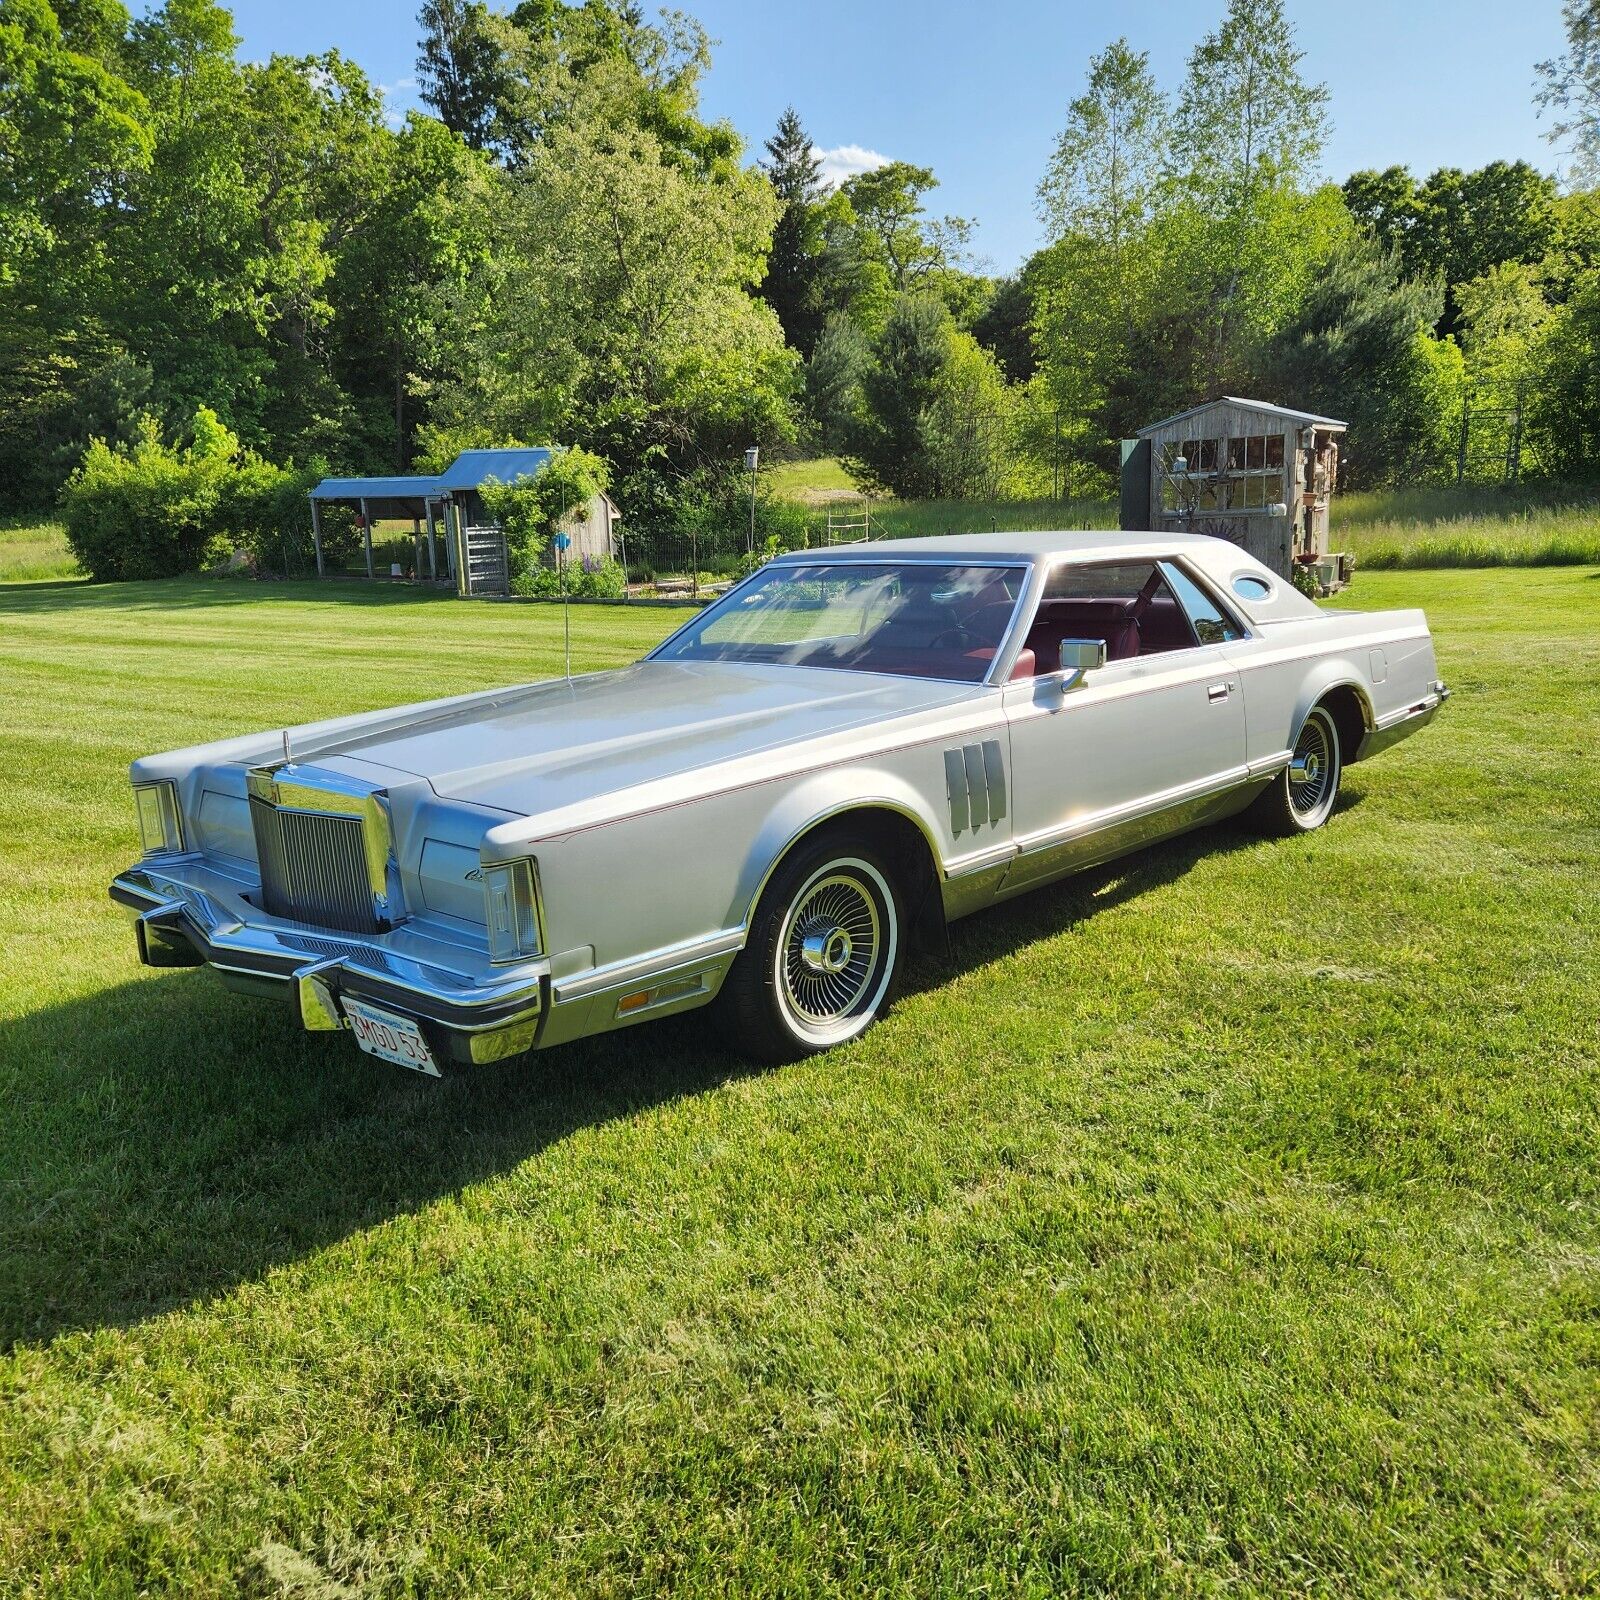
(185,914)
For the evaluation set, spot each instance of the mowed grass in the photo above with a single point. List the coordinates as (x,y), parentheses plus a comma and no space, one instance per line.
(1220,1222)
(33,548)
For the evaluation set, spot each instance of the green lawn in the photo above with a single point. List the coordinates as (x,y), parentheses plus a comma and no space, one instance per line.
(1222,1222)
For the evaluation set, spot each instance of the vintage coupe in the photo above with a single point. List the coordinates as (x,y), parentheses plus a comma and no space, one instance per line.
(851,748)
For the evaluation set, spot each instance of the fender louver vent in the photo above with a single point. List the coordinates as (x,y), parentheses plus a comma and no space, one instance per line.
(975,778)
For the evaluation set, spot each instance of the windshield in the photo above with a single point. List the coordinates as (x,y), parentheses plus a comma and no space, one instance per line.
(909,619)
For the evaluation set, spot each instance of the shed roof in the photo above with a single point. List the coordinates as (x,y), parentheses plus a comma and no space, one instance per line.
(1268,407)
(470,470)
(473,468)
(399,488)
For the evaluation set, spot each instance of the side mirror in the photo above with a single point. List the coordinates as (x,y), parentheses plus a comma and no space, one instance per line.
(1079,656)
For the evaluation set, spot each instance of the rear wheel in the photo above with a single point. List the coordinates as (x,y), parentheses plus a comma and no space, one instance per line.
(1302,797)
(823,954)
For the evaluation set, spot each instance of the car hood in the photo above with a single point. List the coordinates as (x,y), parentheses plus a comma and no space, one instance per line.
(548,745)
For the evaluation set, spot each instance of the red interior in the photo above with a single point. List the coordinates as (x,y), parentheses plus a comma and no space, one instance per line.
(1160,626)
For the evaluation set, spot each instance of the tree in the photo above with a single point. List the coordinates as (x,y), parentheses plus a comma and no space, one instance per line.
(1570,86)
(614,311)
(1097,201)
(1005,325)
(888,210)
(1360,348)
(1103,177)
(1456,226)
(1564,408)
(887,445)
(1467,223)
(1384,204)
(792,285)
(74,134)
(425,233)
(834,374)
(460,68)
(1247,132)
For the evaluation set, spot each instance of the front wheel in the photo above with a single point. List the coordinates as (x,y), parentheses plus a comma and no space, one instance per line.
(824,951)
(1302,796)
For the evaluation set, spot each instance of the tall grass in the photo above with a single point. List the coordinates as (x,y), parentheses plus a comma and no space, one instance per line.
(1439,525)
(1469,526)
(33,546)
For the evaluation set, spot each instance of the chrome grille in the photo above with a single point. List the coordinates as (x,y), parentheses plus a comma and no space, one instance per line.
(313,867)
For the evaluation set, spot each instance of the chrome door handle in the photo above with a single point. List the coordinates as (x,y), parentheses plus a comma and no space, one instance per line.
(1219,691)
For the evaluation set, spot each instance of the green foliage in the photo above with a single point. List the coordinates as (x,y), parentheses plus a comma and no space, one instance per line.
(150,509)
(461,68)
(1360,349)
(934,417)
(534,509)
(834,375)
(1457,226)
(586,579)
(651,351)
(793,284)
(1564,420)
(887,445)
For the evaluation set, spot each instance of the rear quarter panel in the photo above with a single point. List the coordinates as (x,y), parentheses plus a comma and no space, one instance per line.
(1386,656)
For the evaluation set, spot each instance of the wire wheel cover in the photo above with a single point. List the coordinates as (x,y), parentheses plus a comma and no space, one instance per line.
(832,940)
(1313,769)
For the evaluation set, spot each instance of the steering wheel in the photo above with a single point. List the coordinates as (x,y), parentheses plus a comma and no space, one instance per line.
(958,637)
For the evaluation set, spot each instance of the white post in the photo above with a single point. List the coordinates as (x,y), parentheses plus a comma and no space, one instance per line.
(433,559)
(316,534)
(366,535)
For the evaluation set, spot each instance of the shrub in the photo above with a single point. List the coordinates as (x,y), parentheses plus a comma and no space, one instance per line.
(154,510)
(146,510)
(590,579)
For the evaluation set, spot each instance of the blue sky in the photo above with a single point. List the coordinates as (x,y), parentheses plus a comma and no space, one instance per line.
(978,92)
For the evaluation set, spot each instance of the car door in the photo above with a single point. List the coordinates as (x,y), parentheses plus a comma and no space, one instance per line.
(1141,745)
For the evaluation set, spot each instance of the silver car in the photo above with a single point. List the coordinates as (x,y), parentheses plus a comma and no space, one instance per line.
(848,751)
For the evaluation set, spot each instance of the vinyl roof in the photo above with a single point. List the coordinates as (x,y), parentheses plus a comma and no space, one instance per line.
(1288,413)
(1006,547)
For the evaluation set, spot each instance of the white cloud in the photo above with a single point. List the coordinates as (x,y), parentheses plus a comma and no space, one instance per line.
(845,161)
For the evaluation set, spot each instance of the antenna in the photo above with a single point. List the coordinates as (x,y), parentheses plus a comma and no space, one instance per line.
(286,757)
(561,541)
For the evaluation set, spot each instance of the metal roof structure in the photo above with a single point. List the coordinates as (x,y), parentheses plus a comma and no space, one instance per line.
(1267,407)
(474,468)
(405,494)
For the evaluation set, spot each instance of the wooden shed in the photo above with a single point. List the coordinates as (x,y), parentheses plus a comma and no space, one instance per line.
(1257,473)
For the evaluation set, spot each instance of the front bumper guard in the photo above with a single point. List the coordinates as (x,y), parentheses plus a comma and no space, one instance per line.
(465,1024)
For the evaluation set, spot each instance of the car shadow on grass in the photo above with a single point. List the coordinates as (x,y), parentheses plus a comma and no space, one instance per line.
(165,1140)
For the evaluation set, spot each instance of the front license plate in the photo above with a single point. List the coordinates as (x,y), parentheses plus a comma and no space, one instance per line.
(389,1037)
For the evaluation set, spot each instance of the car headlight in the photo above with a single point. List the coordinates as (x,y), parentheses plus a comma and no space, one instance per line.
(511,910)
(160,820)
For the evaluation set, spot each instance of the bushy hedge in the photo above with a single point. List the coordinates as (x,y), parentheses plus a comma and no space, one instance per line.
(589,579)
(155,510)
